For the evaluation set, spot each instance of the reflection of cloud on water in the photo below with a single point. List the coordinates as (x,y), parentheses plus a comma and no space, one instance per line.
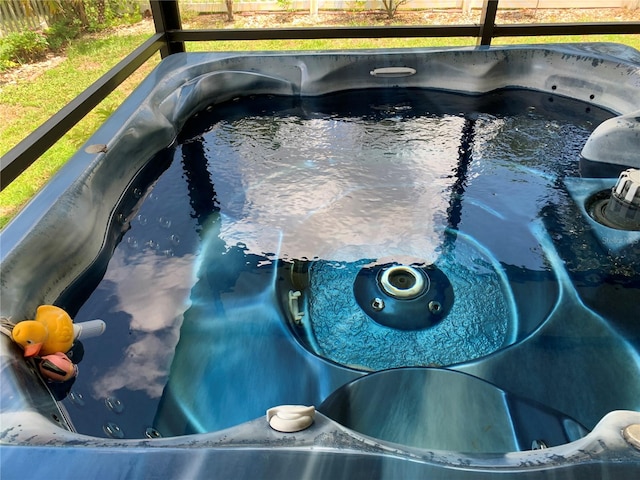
(154,291)
(358,191)
(366,223)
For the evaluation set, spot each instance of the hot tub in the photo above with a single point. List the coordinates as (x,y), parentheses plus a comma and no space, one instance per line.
(405,240)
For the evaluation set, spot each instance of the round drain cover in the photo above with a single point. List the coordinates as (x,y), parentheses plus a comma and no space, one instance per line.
(404,297)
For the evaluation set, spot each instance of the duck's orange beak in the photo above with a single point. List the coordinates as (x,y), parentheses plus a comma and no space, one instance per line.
(32,349)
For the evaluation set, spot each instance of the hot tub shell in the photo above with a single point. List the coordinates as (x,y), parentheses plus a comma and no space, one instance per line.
(79,216)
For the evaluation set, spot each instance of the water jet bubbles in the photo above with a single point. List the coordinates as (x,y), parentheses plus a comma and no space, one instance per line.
(132,242)
(153,245)
(112,430)
(76,398)
(175,239)
(142,220)
(114,404)
(164,222)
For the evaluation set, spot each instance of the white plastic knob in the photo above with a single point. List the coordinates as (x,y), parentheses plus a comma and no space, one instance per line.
(290,418)
(632,435)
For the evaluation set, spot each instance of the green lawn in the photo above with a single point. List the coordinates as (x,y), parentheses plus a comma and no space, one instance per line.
(29,102)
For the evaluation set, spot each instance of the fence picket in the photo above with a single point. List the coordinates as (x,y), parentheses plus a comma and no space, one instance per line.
(42,13)
(17,15)
(13,17)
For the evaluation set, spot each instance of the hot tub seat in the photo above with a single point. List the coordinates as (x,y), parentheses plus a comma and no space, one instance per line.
(439,409)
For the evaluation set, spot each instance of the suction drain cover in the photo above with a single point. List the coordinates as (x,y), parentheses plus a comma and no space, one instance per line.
(402,296)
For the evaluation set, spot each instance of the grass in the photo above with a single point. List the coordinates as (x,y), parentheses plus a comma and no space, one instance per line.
(330,44)
(27,104)
(364,43)
(630,40)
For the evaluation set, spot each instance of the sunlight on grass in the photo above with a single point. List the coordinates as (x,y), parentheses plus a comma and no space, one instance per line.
(42,97)
(630,40)
(326,44)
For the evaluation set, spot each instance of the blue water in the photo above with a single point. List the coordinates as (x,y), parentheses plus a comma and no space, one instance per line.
(477,325)
(198,336)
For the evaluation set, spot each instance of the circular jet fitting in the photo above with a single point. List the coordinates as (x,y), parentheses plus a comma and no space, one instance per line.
(403,281)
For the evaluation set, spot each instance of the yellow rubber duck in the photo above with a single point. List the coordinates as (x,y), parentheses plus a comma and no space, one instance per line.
(50,332)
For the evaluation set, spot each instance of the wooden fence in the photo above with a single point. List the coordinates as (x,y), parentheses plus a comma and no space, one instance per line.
(19,15)
(16,15)
(215,6)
